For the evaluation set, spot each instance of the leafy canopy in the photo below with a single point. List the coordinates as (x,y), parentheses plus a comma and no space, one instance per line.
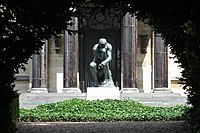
(25,24)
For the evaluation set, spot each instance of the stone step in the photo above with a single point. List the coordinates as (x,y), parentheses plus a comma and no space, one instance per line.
(29,100)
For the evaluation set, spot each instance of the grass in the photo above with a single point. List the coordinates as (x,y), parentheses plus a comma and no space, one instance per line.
(101,110)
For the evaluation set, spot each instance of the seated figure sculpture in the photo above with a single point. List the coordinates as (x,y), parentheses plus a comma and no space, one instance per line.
(99,67)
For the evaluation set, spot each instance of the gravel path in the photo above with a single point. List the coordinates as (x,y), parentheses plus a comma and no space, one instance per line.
(103,127)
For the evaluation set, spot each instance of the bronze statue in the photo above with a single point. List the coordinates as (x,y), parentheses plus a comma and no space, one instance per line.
(99,67)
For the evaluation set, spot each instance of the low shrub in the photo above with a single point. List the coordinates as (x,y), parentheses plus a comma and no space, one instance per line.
(101,110)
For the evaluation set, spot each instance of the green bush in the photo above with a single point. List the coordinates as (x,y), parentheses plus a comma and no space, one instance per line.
(101,110)
(193,118)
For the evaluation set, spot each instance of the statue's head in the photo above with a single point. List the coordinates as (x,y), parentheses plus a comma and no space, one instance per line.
(102,42)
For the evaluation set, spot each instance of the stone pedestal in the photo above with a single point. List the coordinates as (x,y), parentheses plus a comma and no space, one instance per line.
(101,93)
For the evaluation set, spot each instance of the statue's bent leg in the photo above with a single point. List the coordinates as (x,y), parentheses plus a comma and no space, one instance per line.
(93,70)
(105,73)
(109,76)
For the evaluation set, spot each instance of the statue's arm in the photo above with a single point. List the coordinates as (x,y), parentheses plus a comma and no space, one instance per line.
(109,53)
(94,52)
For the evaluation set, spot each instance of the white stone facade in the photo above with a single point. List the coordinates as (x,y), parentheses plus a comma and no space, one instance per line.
(144,70)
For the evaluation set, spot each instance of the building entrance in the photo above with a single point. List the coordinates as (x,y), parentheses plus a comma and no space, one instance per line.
(92,27)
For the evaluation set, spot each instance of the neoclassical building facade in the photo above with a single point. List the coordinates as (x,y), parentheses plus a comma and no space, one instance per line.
(140,60)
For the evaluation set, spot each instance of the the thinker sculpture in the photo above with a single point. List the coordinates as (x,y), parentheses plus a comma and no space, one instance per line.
(99,67)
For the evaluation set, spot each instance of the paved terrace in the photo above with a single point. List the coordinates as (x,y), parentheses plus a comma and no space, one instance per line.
(31,100)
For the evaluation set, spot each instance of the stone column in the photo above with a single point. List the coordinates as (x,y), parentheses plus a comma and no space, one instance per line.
(129,53)
(39,70)
(71,59)
(160,65)
(44,55)
(36,71)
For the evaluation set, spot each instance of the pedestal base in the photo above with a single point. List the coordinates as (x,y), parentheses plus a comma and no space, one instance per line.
(101,93)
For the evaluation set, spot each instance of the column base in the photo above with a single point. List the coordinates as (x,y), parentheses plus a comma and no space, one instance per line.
(162,90)
(39,90)
(71,90)
(129,90)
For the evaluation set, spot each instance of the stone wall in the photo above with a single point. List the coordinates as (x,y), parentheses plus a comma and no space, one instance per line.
(144,71)
(144,60)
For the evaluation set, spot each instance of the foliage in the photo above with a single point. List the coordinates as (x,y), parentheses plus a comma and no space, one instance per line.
(25,24)
(179,25)
(101,110)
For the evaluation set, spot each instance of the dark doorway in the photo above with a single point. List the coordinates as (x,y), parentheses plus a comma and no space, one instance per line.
(89,36)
